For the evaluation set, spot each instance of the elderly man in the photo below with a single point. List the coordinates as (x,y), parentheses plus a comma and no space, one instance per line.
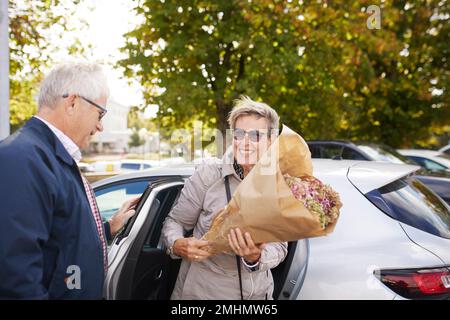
(52,239)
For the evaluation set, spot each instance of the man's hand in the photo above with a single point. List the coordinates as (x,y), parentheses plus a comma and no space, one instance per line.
(191,249)
(244,246)
(120,218)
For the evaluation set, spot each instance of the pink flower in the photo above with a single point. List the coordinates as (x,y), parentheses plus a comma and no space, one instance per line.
(317,197)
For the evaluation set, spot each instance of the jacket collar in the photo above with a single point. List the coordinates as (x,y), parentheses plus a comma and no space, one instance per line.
(67,142)
(50,138)
(227,164)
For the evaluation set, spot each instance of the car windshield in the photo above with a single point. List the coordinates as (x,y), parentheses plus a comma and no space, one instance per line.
(384,153)
(409,201)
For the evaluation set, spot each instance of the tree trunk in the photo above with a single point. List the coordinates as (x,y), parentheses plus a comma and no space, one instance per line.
(222,110)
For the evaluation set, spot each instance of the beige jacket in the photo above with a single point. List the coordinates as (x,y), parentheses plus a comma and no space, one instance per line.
(216,277)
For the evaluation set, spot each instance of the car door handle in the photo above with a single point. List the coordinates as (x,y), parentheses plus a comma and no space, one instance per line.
(159,275)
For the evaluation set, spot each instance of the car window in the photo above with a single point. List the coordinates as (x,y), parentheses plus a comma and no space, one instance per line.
(111,198)
(350,154)
(147,166)
(409,201)
(428,163)
(331,151)
(380,154)
(315,151)
(130,166)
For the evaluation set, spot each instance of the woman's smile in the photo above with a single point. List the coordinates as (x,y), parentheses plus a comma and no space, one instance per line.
(245,151)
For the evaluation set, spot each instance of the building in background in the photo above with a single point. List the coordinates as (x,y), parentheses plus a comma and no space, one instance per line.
(115,135)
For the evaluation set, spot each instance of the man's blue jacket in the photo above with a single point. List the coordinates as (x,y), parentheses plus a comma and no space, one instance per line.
(48,236)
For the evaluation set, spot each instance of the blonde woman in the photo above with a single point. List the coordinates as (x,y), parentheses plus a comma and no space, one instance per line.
(246,273)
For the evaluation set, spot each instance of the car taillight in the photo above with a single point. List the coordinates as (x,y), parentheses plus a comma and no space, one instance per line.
(418,283)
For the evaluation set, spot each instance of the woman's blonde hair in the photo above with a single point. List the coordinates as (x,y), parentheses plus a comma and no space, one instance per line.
(246,106)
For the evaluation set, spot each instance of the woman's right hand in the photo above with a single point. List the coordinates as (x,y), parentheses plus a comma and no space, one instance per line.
(191,248)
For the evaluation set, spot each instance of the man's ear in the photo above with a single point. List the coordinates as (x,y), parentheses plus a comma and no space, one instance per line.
(69,103)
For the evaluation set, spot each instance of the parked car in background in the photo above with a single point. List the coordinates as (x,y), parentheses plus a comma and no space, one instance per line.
(125,165)
(391,240)
(136,164)
(433,160)
(106,166)
(85,167)
(438,181)
(445,149)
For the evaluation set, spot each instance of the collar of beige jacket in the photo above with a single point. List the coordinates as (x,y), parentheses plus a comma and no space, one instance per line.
(227,163)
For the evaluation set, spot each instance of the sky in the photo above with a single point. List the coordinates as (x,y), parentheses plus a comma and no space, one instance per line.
(108,21)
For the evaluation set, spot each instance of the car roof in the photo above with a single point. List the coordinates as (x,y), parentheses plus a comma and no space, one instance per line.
(347,142)
(368,175)
(162,171)
(436,156)
(367,178)
(419,152)
(339,142)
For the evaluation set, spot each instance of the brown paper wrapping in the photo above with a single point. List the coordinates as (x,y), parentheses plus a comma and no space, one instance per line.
(263,203)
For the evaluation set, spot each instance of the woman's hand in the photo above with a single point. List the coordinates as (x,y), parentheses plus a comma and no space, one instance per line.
(191,248)
(244,246)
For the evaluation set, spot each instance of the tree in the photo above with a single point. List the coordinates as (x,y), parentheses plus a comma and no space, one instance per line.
(135,139)
(136,120)
(401,67)
(316,63)
(36,28)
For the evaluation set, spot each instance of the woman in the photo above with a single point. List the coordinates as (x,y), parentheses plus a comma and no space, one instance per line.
(221,276)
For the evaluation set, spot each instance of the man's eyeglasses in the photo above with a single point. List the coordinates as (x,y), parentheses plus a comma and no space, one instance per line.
(103,111)
(253,135)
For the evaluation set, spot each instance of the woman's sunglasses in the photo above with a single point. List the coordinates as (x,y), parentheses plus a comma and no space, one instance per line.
(253,135)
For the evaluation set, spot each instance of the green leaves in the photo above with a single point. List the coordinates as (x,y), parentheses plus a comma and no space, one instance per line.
(31,50)
(316,63)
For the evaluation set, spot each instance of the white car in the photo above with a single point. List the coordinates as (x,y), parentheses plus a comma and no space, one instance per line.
(432,160)
(106,166)
(125,165)
(85,167)
(392,239)
(128,165)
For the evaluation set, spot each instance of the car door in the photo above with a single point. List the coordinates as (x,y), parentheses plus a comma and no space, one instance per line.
(140,269)
(137,261)
(289,276)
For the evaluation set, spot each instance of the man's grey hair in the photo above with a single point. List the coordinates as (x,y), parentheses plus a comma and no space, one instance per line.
(82,78)
(246,106)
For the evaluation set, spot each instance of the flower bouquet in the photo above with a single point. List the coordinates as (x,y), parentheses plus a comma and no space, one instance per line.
(279,200)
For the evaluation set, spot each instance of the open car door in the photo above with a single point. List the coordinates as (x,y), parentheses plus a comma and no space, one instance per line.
(289,275)
(137,262)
